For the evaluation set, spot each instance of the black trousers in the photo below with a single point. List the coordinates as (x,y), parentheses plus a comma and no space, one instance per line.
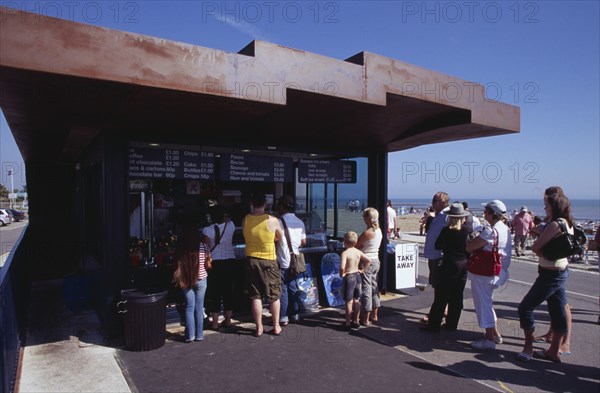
(223,285)
(451,281)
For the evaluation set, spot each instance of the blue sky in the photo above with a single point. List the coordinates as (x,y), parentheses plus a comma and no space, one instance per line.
(542,56)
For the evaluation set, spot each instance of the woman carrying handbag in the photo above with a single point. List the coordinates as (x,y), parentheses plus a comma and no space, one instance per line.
(495,235)
(550,283)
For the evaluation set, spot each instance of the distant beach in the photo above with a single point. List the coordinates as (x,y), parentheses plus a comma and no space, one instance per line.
(584,210)
(353,221)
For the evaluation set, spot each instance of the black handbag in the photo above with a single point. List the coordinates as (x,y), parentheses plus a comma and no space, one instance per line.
(562,246)
(297,262)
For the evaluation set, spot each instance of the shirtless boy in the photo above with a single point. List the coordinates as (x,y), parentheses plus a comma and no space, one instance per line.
(350,269)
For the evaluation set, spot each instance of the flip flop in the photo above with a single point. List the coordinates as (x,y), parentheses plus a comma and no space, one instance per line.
(541,354)
(567,353)
(541,340)
(524,357)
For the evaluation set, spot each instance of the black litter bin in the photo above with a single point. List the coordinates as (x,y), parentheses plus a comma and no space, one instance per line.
(145,316)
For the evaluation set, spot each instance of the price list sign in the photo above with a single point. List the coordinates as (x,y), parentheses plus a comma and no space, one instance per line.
(171,164)
(241,167)
(326,171)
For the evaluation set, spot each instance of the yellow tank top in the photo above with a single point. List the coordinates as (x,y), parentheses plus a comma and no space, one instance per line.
(260,241)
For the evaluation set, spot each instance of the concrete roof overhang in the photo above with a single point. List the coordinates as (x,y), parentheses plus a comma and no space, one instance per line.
(64,82)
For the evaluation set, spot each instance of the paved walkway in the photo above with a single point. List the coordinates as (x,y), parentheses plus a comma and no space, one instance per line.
(66,353)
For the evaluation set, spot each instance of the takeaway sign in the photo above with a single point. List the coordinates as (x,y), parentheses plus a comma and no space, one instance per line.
(407,257)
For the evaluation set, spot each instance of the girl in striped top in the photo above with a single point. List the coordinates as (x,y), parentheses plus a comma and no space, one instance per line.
(190,276)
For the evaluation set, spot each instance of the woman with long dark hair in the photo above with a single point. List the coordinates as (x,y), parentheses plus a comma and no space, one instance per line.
(550,283)
(190,276)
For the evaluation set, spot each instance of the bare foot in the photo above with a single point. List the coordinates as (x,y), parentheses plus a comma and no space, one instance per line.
(277,329)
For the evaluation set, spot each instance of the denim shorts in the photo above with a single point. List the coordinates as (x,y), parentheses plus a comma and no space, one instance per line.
(351,286)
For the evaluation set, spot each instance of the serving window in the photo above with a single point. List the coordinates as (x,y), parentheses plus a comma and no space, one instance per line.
(173,184)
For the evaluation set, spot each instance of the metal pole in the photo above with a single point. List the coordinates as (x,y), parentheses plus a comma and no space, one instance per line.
(12,187)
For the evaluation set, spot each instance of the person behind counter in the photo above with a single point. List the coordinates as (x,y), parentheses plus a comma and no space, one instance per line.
(221,280)
(294,230)
(190,276)
(263,279)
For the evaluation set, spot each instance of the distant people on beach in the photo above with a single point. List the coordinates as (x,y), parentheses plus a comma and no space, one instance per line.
(426,221)
(392,231)
(354,206)
(521,225)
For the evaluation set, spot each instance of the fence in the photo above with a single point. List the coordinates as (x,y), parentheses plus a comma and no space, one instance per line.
(14,290)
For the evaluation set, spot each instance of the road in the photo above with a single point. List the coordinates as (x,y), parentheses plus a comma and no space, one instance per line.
(9,235)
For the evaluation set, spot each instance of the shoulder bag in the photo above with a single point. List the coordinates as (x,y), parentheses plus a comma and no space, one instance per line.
(218,236)
(486,263)
(297,263)
(562,246)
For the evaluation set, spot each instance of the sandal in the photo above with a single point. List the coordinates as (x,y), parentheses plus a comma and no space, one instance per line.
(524,357)
(258,332)
(542,354)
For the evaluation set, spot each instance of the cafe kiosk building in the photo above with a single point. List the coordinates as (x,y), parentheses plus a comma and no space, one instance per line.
(102,117)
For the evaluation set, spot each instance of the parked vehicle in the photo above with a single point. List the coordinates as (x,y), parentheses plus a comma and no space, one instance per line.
(17,215)
(5,217)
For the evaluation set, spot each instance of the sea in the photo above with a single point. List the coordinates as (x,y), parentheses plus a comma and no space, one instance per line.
(584,210)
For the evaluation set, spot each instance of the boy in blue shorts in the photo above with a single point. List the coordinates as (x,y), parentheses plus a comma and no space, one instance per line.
(350,269)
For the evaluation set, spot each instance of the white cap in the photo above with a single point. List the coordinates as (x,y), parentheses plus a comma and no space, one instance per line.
(497,207)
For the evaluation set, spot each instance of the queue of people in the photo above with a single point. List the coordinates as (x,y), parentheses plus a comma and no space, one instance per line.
(448,249)
(452,237)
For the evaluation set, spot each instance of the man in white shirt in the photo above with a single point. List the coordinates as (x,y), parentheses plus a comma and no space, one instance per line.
(391,221)
(294,230)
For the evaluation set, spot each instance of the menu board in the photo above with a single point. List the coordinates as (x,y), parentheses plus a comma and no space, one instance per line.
(242,167)
(326,171)
(147,163)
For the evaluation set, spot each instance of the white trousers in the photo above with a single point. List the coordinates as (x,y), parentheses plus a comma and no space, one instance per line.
(483,299)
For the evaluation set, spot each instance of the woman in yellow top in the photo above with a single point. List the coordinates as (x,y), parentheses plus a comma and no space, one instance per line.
(263,278)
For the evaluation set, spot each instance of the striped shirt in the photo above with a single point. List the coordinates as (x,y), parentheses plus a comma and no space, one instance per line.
(203,252)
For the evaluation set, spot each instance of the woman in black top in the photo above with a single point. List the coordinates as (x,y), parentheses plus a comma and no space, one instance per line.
(452,272)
